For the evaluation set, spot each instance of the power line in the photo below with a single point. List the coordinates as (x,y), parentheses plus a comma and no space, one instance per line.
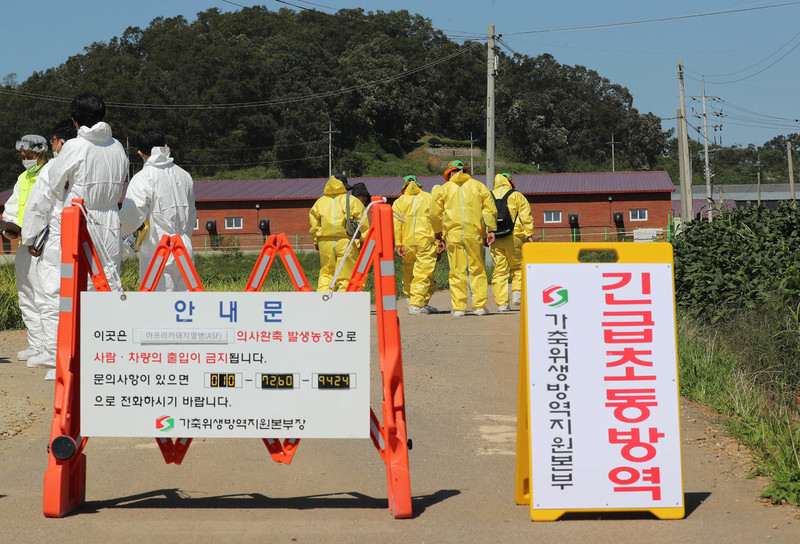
(255,163)
(260,103)
(760,71)
(754,65)
(655,20)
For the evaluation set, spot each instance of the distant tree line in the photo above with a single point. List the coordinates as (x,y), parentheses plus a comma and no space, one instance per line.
(259,88)
(736,164)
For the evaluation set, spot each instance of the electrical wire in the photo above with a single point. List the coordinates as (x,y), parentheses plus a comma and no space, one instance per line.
(760,71)
(754,65)
(260,103)
(654,20)
(262,163)
(450,33)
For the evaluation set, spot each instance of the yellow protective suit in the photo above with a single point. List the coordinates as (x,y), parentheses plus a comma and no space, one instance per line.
(468,213)
(327,218)
(417,235)
(507,251)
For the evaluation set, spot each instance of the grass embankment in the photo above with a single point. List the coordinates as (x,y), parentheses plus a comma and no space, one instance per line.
(428,156)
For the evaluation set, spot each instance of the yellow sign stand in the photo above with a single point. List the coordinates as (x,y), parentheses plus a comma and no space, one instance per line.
(598,419)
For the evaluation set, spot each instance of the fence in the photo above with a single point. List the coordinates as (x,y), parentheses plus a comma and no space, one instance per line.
(206,245)
(209,245)
(602,234)
(304,242)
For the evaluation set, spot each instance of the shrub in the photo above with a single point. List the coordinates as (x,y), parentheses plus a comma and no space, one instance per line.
(742,259)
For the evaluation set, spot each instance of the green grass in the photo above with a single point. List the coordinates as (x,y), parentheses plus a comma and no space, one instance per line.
(747,370)
(10,315)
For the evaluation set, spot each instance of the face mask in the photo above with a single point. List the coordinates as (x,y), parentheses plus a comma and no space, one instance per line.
(30,164)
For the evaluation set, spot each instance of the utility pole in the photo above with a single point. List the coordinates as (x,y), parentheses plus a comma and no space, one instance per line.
(759,188)
(330,133)
(613,144)
(491,71)
(759,177)
(471,169)
(127,151)
(705,149)
(791,173)
(684,164)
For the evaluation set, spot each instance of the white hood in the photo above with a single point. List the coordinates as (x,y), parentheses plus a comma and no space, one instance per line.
(98,134)
(159,157)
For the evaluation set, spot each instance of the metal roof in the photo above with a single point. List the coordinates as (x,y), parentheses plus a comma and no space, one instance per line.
(747,192)
(700,205)
(531,184)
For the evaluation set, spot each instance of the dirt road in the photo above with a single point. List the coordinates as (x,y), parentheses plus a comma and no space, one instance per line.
(462,468)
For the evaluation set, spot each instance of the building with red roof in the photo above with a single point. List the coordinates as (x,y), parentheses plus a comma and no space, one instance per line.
(595,205)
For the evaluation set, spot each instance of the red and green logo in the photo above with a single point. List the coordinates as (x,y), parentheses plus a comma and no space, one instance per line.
(165,423)
(555,296)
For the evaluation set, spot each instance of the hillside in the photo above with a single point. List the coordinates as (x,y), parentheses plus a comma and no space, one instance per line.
(259,89)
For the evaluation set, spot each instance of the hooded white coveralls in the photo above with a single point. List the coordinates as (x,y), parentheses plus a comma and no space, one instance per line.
(92,167)
(468,214)
(327,218)
(163,194)
(416,234)
(28,286)
(507,251)
(43,210)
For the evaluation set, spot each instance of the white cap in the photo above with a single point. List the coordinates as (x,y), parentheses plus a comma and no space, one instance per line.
(32,142)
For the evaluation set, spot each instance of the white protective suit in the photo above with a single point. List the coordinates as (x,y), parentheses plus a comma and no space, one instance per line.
(42,210)
(28,286)
(163,194)
(92,167)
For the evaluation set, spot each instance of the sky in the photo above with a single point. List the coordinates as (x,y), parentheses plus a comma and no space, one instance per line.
(747,52)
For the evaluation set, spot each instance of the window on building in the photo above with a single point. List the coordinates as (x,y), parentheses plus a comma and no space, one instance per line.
(196,223)
(233,222)
(552,217)
(639,214)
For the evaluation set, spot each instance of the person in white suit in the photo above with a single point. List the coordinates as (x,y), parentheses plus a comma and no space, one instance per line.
(160,196)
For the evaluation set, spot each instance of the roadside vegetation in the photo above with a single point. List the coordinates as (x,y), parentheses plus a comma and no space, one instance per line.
(737,287)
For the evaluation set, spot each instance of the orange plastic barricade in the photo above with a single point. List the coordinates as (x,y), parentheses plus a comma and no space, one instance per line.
(65,478)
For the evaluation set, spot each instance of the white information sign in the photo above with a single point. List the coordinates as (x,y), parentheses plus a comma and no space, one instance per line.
(235,365)
(604,404)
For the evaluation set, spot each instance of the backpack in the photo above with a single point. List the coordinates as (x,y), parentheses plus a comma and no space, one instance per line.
(505,223)
(350,225)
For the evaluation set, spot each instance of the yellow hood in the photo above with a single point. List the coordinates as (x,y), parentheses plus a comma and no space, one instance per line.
(501,181)
(334,187)
(412,189)
(459,177)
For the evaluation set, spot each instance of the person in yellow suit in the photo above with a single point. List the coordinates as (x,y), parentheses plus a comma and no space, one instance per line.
(507,247)
(416,240)
(328,218)
(469,217)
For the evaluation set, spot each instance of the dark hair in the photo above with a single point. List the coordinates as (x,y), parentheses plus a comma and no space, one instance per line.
(65,130)
(87,109)
(359,189)
(148,139)
(343,179)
